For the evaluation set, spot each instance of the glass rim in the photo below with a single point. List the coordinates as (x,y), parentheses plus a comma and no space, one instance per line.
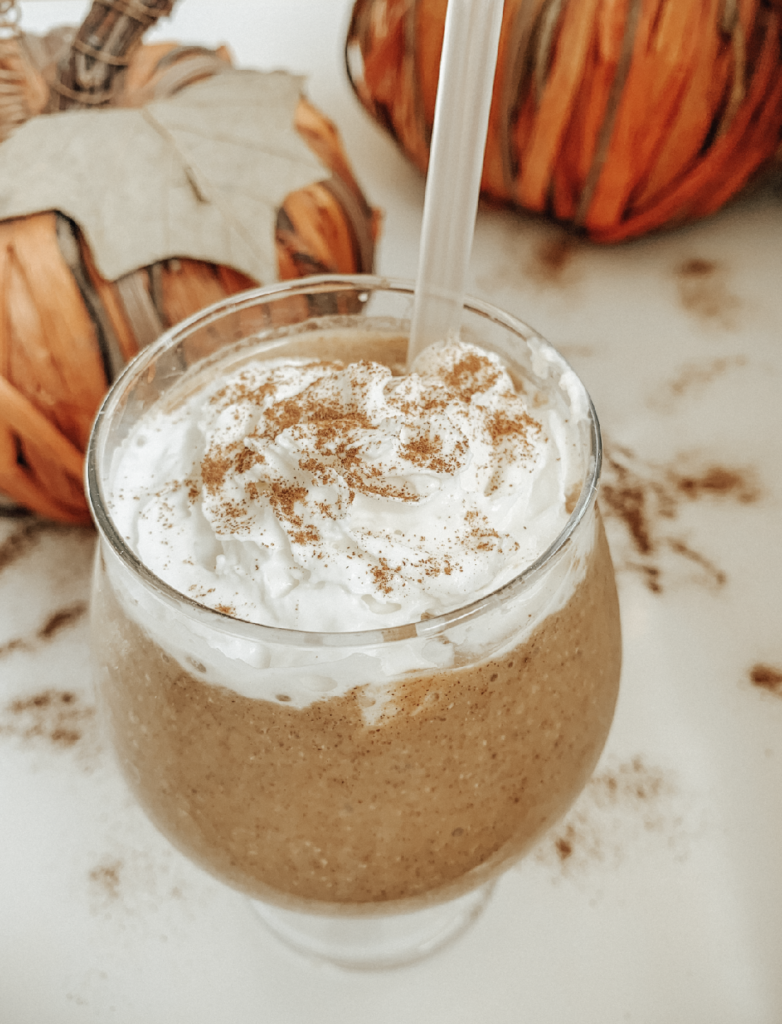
(231,625)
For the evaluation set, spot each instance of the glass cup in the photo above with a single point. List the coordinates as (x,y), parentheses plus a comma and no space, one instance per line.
(368,820)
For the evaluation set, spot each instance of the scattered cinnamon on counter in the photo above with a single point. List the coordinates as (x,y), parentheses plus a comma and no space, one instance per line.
(551,258)
(24,539)
(107,878)
(719,482)
(692,376)
(711,571)
(644,497)
(703,287)
(58,717)
(61,620)
(618,806)
(767,678)
(52,627)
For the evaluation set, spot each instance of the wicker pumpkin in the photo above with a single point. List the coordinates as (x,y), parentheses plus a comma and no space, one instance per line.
(612,116)
(65,331)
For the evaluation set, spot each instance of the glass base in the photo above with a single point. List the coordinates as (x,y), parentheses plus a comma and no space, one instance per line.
(375,943)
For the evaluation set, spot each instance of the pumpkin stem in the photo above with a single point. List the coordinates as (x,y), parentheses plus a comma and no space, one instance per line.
(102,48)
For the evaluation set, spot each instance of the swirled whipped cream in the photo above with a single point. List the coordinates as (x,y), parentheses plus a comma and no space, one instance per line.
(324,496)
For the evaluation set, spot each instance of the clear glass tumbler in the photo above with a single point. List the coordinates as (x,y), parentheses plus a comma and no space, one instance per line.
(369,821)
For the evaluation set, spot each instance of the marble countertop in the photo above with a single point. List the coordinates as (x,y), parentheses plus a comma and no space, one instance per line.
(659,898)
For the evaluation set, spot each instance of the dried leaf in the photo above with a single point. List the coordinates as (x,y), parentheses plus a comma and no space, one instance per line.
(201,174)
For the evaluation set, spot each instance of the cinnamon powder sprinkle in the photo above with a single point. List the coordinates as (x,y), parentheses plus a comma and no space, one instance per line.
(382,575)
(620,810)
(215,467)
(107,878)
(648,498)
(23,540)
(520,428)
(56,623)
(61,619)
(284,500)
(767,678)
(719,481)
(335,446)
(57,716)
(471,374)
(426,452)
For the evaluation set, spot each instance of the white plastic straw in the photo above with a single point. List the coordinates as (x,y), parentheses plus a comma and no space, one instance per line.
(461,120)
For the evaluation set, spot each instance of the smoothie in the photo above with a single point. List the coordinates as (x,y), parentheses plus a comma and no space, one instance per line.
(356,704)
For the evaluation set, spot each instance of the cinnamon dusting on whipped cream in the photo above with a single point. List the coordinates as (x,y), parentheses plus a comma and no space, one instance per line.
(313,491)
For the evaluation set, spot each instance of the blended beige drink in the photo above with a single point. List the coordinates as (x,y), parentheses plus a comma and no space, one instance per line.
(356,629)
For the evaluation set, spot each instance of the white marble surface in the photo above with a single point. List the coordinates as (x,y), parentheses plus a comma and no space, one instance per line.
(660,899)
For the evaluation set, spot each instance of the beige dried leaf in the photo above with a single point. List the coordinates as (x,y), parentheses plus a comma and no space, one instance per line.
(201,174)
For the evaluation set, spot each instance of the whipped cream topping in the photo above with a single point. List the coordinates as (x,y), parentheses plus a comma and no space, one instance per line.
(321,496)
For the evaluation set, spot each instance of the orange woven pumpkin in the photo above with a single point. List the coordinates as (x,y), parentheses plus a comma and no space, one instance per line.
(65,331)
(613,116)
